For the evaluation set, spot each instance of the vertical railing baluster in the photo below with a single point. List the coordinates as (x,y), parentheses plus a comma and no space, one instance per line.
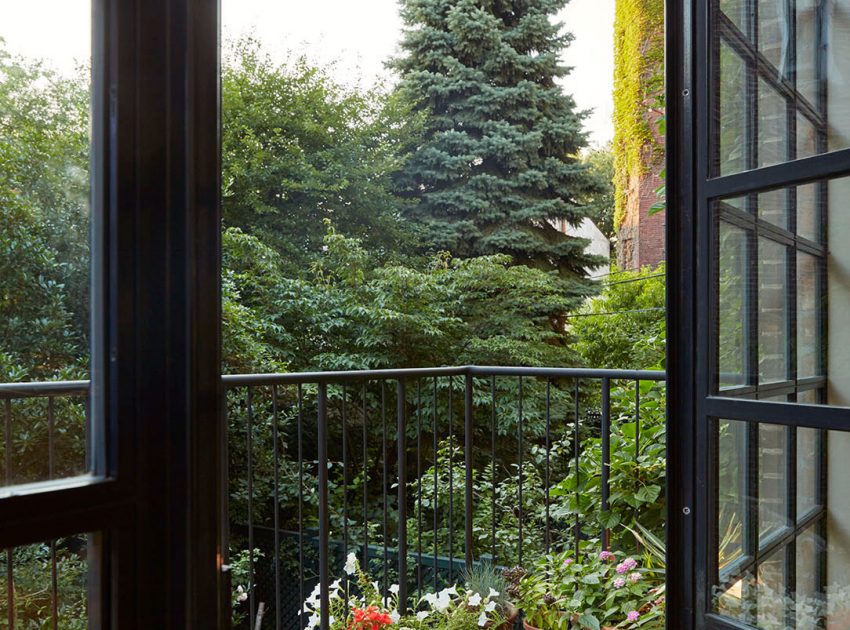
(606,453)
(637,420)
(249,402)
(384,489)
(10,589)
(54,576)
(54,588)
(7,437)
(467,458)
(546,533)
(519,488)
(300,438)
(402,496)
(451,526)
(324,520)
(276,493)
(493,468)
(51,433)
(345,485)
(365,480)
(577,462)
(436,486)
(419,487)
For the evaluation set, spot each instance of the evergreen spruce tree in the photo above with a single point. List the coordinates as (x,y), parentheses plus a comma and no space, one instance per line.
(499,161)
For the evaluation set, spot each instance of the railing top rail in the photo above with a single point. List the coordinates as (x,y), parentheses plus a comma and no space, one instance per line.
(294,378)
(66,388)
(42,389)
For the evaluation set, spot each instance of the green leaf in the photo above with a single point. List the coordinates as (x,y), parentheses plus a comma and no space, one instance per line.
(587,620)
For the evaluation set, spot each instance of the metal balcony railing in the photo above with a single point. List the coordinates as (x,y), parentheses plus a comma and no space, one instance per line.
(402,467)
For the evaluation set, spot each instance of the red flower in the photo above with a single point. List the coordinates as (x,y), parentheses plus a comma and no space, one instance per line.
(370,618)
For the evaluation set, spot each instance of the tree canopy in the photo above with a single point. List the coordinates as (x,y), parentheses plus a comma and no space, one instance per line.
(498,162)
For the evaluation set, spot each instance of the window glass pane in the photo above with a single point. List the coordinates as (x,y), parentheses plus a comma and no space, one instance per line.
(770,592)
(836,29)
(773,311)
(801,61)
(808,605)
(47,583)
(772,207)
(736,10)
(774,34)
(732,445)
(807,466)
(732,344)
(808,355)
(753,584)
(800,318)
(808,217)
(45,100)
(806,137)
(732,96)
(806,24)
(773,126)
(773,503)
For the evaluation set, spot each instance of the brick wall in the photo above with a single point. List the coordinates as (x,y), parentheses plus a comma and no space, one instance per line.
(641,236)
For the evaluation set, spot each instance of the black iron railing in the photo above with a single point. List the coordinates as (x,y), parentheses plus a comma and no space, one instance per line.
(421,472)
(400,465)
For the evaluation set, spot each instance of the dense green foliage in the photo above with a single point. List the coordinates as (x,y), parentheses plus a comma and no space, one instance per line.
(44,219)
(600,203)
(298,148)
(499,156)
(624,327)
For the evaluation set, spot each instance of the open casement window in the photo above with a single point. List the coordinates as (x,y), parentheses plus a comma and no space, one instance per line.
(761,301)
(110,501)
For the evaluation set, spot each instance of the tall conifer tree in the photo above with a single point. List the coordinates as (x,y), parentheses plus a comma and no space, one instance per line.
(499,161)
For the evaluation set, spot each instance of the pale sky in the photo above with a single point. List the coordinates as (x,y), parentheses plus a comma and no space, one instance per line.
(355,35)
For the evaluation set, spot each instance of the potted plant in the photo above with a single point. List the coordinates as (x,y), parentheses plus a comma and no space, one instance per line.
(601,590)
(455,607)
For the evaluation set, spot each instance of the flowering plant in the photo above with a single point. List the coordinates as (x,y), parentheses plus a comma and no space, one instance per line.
(597,590)
(367,609)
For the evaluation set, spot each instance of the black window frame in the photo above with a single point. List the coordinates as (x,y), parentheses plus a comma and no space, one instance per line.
(695,404)
(154,504)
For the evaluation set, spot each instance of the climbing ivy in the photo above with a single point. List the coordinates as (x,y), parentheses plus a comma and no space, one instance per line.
(638,88)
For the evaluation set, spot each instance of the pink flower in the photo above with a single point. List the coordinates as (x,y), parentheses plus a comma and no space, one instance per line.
(619,583)
(634,577)
(606,555)
(626,565)
(633,616)
(568,562)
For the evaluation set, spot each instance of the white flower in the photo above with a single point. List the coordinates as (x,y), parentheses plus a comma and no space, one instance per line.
(490,606)
(375,585)
(422,615)
(395,616)
(493,592)
(443,601)
(242,597)
(394,589)
(482,619)
(331,620)
(350,564)
(474,599)
(450,590)
(313,621)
